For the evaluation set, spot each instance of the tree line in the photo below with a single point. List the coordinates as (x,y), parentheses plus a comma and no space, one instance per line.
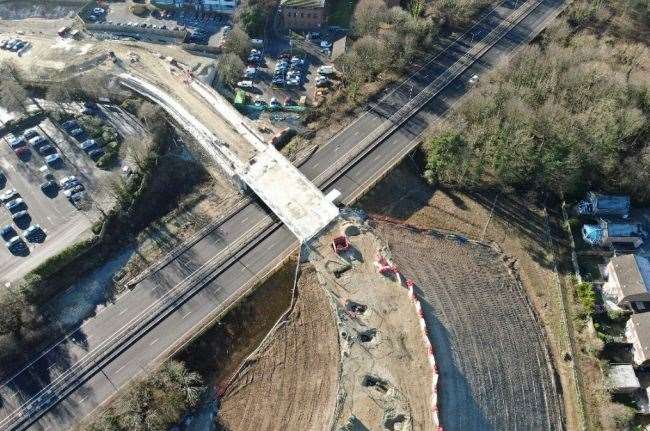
(565,115)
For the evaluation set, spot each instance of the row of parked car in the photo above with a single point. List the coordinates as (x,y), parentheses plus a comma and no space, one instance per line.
(18,209)
(40,144)
(89,146)
(288,71)
(15,45)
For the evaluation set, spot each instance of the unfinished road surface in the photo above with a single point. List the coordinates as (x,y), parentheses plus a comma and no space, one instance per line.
(495,373)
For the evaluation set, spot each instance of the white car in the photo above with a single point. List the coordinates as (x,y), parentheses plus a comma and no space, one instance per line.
(8,195)
(325,44)
(67,180)
(326,70)
(245,84)
(473,80)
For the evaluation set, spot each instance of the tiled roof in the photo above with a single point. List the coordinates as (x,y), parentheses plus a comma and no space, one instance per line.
(307,4)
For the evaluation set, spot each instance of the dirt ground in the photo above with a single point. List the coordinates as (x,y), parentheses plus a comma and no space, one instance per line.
(329,364)
(291,383)
(474,306)
(515,225)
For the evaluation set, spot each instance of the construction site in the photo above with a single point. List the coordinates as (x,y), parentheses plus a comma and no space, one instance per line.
(393,327)
(396,322)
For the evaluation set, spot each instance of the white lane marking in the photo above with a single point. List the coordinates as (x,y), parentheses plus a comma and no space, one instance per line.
(154,342)
(186,314)
(244,220)
(121,368)
(83,399)
(123,311)
(272,246)
(316,165)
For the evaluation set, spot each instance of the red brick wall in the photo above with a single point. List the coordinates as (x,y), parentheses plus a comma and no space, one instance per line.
(303,18)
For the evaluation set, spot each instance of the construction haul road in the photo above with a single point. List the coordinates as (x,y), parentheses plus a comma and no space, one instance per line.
(77,374)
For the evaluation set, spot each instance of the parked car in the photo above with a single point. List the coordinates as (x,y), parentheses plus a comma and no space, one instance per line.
(65,180)
(70,124)
(22,151)
(88,145)
(77,132)
(46,150)
(326,70)
(96,154)
(76,189)
(76,197)
(7,232)
(38,141)
(325,44)
(15,243)
(17,142)
(15,204)
(49,187)
(18,215)
(9,195)
(245,84)
(30,134)
(278,81)
(33,232)
(71,184)
(321,81)
(53,159)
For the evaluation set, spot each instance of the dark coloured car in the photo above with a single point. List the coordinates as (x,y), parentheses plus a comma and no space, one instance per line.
(46,150)
(49,187)
(34,232)
(30,133)
(17,142)
(22,151)
(14,205)
(70,125)
(96,154)
(19,215)
(77,132)
(7,232)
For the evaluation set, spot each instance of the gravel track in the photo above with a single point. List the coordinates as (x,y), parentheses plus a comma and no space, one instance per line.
(292,383)
(495,372)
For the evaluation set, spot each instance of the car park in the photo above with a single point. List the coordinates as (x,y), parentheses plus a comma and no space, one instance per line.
(15,204)
(9,195)
(33,232)
(7,232)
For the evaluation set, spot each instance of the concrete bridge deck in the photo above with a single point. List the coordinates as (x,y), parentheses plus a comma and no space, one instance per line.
(300,205)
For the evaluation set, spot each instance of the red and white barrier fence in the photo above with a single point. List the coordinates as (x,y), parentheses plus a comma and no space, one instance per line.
(386,267)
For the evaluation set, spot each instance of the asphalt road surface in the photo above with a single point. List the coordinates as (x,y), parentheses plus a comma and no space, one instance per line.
(208,269)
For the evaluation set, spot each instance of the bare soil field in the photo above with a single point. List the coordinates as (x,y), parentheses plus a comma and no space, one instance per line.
(329,363)
(517,226)
(291,383)
(495,373)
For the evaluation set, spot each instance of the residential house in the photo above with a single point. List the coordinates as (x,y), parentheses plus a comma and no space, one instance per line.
(637,332)
(628,281)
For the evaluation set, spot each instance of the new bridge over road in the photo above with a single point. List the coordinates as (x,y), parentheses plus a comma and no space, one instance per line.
(199,282)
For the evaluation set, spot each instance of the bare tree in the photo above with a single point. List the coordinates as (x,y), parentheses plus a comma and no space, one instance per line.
(237,42)
(368,16)
(229,68)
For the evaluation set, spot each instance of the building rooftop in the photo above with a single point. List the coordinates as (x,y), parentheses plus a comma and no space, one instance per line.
(307,4)
(622,377)
(633,273)
(640,322)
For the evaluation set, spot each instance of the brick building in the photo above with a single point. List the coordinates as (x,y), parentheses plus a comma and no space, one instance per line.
(303,14)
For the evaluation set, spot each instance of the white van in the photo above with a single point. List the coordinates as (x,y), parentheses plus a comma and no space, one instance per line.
(326,70)
(245,84)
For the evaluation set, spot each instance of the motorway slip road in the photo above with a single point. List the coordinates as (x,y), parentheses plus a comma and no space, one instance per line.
(207,267)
